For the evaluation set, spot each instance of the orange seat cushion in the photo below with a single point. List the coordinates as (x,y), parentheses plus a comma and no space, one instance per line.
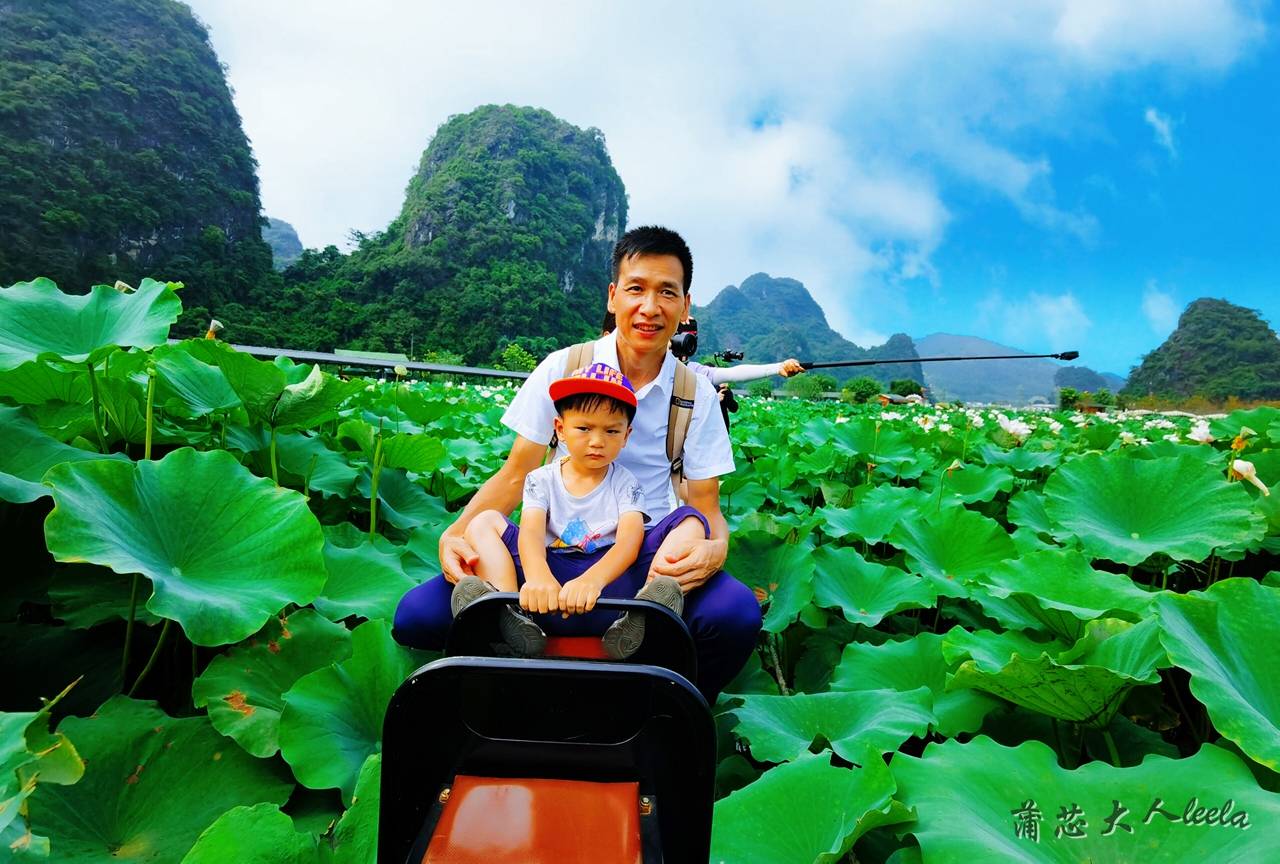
(578,647)
(493,819)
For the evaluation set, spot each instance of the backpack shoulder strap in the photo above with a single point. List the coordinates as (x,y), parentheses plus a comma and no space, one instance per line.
(679,416)
(580,355)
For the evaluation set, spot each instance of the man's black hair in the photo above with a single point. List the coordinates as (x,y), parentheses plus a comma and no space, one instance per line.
(653,240)
(588,402)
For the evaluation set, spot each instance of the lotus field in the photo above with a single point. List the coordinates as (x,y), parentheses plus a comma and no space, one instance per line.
(988,636)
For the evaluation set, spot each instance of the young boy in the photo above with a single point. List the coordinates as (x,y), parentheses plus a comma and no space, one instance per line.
(581,528)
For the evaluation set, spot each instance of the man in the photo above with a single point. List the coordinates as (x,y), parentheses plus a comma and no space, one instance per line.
(649,296)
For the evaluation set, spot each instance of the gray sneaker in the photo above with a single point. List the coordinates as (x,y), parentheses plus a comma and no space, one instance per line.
(522,635)
(624,636)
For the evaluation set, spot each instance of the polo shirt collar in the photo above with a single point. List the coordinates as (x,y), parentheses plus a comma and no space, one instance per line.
(606,351)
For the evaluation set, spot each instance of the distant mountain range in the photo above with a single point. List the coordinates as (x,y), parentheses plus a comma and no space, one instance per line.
(1016,381)
(771,319)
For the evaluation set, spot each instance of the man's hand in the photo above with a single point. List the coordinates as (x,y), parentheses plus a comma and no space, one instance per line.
(691,564)
(540,594)
(790,366)
(579,595)
(457,558)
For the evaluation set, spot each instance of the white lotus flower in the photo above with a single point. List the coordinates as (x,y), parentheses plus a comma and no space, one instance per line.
(402,371)
(1017,428)
(891,415)
(1055,427)
(944,427)
(977,421)
(1172,436)
(1200,432)
(1245,471)
(840,420)
(1127,437)
(925,422)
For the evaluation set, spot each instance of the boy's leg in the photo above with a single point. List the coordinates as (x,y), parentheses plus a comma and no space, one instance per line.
(495,565)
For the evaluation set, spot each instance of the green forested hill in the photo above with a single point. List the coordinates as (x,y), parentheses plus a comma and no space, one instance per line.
(1218,350)
(121,153)
(771,319)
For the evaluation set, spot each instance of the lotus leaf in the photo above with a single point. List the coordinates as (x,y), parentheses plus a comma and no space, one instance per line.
(310,401)
(356,834)
(865,592)
(243,689)
(258,384)
(780,573)
(1127,510)
(780,728)
(37,321)
(365,579)
(332,720)
(907,665)
(970,484)
(805,811)
(402,502)
(262,834)
(137,758)
(980,801)
(873,516)
(27,453)
(1225,637)
(188,387)
(31,754)
(84,596)
(223,549)
(38,382)
(314,465)
(953,543)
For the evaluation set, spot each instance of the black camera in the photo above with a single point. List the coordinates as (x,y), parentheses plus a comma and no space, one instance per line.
(685,343)
(729,356)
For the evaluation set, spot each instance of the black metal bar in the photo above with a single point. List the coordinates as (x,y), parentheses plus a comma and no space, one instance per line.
(1065,355)
(340,360)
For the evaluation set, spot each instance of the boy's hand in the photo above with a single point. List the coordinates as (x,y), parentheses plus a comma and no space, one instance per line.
(540,594)
(579,595)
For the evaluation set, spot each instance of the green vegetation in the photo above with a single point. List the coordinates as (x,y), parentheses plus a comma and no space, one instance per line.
(859,390)
(906,387)
(1219,350)
(810,385)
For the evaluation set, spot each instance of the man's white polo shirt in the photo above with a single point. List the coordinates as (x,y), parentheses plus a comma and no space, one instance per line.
(707,452)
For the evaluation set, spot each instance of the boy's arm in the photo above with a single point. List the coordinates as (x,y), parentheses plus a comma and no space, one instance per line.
(540,590)
(500,492)
(580,595)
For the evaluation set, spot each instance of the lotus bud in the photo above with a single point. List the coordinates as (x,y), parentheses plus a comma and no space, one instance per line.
(123,287)
(1242,470)
(401,371)
(215,327)
(956,465)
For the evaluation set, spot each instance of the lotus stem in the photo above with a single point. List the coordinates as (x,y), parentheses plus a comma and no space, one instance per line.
(128,629)
(151,403)
(1111,748)
(306,481)
(373,490)
(97,409)
(777,665)
(151,661)
(275,472)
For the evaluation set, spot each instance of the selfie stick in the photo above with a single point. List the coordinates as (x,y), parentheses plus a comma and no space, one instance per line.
(1065,355)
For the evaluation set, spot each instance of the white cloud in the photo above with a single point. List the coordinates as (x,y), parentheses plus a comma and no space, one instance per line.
(1160,309)
(877,112)
(1162,126)
(1040,323)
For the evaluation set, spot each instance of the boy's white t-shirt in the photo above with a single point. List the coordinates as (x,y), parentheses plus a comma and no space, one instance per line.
(588,523)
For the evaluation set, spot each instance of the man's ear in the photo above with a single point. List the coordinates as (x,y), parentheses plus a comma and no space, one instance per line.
(613,288)
(688,305)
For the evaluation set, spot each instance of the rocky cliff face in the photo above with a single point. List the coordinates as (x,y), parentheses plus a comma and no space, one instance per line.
(283,240)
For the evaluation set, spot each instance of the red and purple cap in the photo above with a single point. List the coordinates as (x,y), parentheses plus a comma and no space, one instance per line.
(599,378)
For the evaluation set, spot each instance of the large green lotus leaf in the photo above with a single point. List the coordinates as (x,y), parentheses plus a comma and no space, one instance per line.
(152,783)
(312,400)
(970,484)
(1085,686)
(1058,591)
(420,454)
(27,453)
(36,383)
(365,579)
(981,801)
(188,387)
(805,811)
(779,573)
(224,549)
(1258,419)
(780,728)
(1226,637)
(355,837)
(953,543)
(865,592)
(332,720)
(402,502)
(873,516)
(258,384)
(1129,509)
(1026,510)
(37,321)
(243,689)
(313,464)
(263,834)
(1022,460)
(85,595)
(907,665)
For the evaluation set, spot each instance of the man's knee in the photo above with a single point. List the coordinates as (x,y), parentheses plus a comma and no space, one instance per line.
(729,607)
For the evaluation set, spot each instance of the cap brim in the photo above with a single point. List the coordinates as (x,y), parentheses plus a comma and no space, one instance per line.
(567,387)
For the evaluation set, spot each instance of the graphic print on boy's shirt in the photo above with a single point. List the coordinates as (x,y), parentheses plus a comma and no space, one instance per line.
(586,523)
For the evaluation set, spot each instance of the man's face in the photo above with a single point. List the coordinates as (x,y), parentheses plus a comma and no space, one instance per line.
(593,438)
(648,301)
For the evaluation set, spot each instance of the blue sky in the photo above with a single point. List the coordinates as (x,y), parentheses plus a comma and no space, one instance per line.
(1050,175)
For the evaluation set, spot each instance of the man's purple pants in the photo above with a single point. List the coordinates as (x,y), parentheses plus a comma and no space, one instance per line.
(723,615)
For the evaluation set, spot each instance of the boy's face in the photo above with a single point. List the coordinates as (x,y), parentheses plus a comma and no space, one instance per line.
(593,438)
(648,301)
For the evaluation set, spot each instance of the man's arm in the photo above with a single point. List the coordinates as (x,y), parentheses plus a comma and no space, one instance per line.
(500,492)
(698,560)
